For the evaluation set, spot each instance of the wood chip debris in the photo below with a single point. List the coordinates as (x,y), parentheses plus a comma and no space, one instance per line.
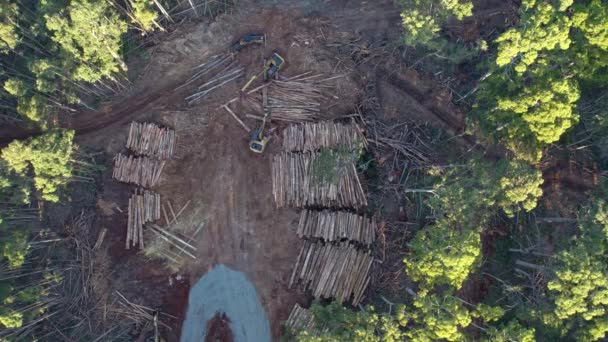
(333,271)
(144,207)
(142,171)
(294,184)
(150,140)
(308,136)
(332,226)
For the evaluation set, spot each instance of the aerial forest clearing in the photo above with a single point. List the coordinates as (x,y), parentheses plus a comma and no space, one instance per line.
(389,170)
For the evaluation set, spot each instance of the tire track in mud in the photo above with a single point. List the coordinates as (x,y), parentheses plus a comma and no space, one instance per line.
(94,121)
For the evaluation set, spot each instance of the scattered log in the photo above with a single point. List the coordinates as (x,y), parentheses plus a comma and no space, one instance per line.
(144,206)
(301,319)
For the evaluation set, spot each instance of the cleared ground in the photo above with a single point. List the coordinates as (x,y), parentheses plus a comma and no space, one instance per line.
(229,188)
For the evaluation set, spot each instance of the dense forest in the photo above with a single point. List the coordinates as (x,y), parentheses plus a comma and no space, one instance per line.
(536,91)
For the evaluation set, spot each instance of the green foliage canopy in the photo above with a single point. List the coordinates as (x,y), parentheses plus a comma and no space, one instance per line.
(49,157)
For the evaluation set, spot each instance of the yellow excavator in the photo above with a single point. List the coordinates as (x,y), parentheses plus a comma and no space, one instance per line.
(269,71)
(271,68)
(258,141)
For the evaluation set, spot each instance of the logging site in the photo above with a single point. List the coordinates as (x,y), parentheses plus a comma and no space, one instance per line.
(303,170)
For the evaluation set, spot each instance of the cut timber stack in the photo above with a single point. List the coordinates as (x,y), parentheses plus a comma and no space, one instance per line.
(301,319)
(334,226)
(333,271)
(307,136)
(144,206)
(151,140)
(137,170)
(296,100)
(293,184)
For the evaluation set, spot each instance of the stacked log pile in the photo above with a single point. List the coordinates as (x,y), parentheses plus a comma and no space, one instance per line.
(151,140)
(301,319)
(137,170)
(309,136)
(294,184)
(144,206)
(333,271)
(334,226)
(295,100)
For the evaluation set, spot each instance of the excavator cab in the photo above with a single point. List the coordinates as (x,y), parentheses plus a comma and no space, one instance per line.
(247,40)
(274,64)
(270,70)
(257,144)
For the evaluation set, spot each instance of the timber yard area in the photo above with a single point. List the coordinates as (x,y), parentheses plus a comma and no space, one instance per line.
(390,170)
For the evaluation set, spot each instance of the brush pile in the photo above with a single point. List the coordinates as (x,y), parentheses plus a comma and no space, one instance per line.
(142,171)
(334,226)
(151,140)
(333,271)
(294,184)
(144,206)
(308,136)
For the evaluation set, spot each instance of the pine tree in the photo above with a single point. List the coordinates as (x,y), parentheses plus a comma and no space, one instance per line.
(49,157)
(422,19)
(90,32)
(579,288)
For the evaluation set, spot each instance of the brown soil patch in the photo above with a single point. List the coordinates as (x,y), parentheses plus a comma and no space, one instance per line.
(218,329)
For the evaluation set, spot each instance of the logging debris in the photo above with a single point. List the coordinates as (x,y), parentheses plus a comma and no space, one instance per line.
(308,136)
(332,226)
(294,184)
(144,206)
(151,140)
(218,80)
(333,271)
(141,171)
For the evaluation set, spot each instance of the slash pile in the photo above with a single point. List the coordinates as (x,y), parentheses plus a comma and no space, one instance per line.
(338,271)
(151,140)
(334,226)
(137,170)
(309,136)
(294,184)
(144,206)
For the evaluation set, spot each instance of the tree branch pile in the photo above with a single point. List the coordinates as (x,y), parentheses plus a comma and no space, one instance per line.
(333,271)
(151,140)
(144,206)
(137,170)
(307,136)
(332,226)
(294,184)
